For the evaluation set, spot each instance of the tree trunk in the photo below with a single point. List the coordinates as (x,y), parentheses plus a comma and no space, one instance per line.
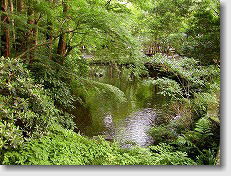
(32,33)
(62,45)
(5,38)
(49,35)
(19,5)
(12,21)
(20,42)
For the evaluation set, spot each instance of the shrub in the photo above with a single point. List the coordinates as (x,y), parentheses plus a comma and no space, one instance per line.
(165,154)
(23,103)
(168,87)
(25,109)
(163,133)
(200,142)
(207,104)
(55,79)
(191,76)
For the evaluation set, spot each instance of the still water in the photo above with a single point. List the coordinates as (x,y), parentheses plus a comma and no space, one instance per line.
(125,122)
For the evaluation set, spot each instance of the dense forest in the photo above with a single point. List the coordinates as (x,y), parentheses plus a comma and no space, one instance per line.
(110,82)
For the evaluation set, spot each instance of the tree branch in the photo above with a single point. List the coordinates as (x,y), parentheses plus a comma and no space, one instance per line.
(32,48)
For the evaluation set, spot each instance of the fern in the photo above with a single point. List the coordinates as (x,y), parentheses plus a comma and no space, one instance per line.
(203,126)
(165,155)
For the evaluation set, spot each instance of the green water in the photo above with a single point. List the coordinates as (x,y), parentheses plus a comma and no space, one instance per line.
(126,121)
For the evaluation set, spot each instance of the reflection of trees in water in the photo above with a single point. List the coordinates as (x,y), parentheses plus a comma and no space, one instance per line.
(116,120)
(132,130)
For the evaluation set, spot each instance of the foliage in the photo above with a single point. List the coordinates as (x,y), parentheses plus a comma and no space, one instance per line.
(163,133)
(191,76)
(200,142)
(203,39)
(89,89)
(202,101)
(48,48)
(64,147)
(24,103)
(78,65)
(168,87)
(191,27)
(11,136)
(55,79)
(26,109)
(166,20)
(165,155)
(168,127)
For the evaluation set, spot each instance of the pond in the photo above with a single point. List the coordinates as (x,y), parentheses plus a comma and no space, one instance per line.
(125,122)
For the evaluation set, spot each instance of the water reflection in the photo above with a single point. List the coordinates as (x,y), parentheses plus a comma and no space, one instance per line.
(134,129)
(126,122)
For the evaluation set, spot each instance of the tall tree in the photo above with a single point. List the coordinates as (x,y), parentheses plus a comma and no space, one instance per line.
(5,36)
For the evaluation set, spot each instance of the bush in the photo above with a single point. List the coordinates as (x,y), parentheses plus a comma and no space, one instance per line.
(25,109)
(24,103)
(168,87)
(166,155)
(191,76)
(163,134)
(207,104)
(200,142)
(55,79)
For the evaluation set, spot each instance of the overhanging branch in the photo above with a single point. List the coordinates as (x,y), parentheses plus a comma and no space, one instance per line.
(32,48)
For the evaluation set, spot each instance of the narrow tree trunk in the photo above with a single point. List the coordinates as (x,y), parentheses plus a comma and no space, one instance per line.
(32,33)
(12,21)
(49,35)
(20,37)
(62,45)
(5,38)
(19,5)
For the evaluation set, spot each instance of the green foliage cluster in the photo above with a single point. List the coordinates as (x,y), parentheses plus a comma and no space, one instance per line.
(168,88)
(186,76)
(203,33)
(165,154)
(163,133)
(194,125)
(91,92)
(25,107)
(64,147)
(191,27)
(200,143)
(55,78)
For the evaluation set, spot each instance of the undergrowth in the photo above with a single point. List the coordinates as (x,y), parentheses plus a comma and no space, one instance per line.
(64,147)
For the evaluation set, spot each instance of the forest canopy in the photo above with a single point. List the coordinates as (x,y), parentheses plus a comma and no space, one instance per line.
(61,60)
